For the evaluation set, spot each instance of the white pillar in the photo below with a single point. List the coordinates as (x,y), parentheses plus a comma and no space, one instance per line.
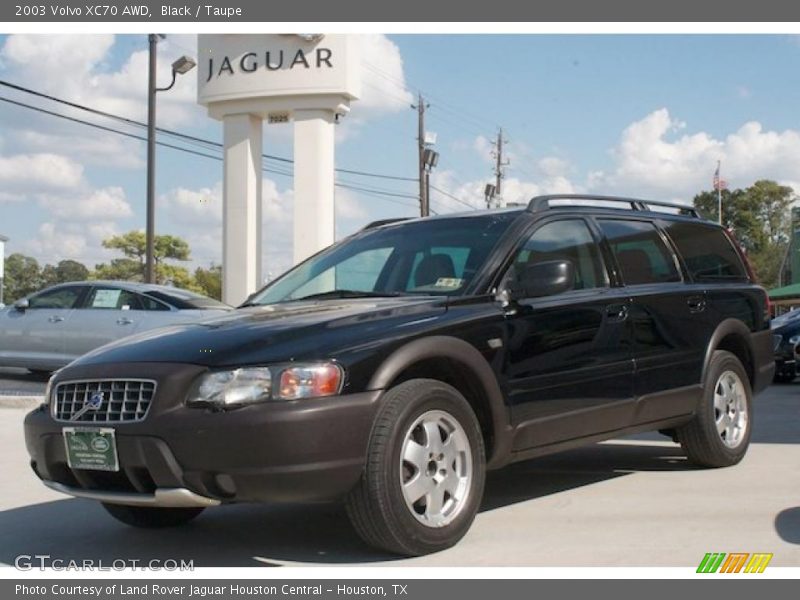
(313,181)
(241,219)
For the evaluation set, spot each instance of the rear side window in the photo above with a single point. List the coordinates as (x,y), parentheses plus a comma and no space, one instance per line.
(641,254)
(707,252)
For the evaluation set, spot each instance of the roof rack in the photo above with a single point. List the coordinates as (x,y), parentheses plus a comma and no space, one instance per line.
(540,203)
(382,222)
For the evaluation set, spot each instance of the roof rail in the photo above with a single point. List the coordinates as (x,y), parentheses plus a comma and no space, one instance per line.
(382,222)
(540,203)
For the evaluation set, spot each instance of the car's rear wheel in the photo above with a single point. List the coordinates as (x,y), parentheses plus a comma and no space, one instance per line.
(719,434)
(425,471)
(151,517)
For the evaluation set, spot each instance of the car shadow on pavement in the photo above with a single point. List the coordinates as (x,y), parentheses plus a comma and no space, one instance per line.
(787,525)
(275,535)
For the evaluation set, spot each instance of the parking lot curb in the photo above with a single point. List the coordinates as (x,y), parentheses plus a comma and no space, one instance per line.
(20,401)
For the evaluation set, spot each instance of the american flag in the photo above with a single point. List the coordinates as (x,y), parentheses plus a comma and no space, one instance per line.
(719,184)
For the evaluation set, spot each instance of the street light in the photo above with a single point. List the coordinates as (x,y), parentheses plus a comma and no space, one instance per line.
(489,193)
(180,67)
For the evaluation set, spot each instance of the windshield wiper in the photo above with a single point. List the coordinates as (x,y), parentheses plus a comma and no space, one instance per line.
(347,294)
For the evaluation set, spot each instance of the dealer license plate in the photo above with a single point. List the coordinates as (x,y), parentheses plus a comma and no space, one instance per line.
(91,448)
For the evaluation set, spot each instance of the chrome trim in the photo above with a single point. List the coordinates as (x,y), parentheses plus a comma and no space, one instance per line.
(54,397)
(163,497)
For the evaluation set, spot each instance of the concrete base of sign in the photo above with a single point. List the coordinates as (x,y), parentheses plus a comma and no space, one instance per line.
(313,181)
(241,215)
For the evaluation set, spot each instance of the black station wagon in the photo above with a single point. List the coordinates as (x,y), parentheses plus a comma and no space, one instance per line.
(394,368)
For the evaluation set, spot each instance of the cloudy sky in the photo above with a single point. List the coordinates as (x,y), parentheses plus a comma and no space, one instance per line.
(635,115)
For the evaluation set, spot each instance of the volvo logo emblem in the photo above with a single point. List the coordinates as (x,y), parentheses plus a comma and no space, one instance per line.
(93,402)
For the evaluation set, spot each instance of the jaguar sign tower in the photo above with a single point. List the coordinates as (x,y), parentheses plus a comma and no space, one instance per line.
(244,80)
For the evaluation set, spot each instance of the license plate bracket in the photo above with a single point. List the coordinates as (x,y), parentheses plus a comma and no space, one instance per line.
(91,448)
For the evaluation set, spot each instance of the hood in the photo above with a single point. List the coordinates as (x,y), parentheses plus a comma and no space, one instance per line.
(274,333)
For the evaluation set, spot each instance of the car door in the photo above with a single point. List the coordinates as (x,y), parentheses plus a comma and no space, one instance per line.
(569,367)
(35,337)
(108,313)
(667,317)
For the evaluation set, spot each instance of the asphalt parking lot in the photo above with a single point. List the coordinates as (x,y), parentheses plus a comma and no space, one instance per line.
(628,502)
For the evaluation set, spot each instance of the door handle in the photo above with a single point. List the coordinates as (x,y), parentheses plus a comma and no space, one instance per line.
(55,319)
(696,304)
(617,312)
(124,321)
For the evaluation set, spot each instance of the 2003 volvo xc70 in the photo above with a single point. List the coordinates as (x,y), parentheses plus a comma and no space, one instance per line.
(394,368)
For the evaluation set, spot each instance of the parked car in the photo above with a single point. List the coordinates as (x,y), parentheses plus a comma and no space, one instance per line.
(393,369)
(786,338)
(53,327)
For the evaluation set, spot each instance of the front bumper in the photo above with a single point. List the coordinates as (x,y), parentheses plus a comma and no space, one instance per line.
(305,450)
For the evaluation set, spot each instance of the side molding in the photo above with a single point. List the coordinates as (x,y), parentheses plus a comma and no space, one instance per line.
(462,352)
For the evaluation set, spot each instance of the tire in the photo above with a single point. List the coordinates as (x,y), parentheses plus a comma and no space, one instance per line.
(147,517)
(449,472)
(726,405)
(784,377)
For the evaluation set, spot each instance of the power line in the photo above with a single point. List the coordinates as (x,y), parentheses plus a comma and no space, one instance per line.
(177,134)
(452,197)
(371,191)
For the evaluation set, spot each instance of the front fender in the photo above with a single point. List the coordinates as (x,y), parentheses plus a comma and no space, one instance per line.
(465,354)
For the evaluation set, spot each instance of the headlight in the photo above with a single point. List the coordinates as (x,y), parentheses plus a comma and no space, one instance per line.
(310,381)
(237,387)
(795,339)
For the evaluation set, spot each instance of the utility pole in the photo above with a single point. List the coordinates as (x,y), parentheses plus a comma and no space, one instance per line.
(149,271)
(500,164)
(424,204)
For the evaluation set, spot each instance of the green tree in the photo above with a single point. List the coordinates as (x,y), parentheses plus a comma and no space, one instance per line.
(210,281)
(122,269)
(64,271)
(22,277)
(759,218)
(134,246)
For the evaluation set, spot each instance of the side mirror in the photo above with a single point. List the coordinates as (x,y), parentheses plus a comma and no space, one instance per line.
(543,279)
(22,304)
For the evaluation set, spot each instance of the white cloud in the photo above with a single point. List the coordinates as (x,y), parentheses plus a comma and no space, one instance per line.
(383,83)
(655,157)
(104,150)
(77,68)
(60,240)
(102,204)
(26,173)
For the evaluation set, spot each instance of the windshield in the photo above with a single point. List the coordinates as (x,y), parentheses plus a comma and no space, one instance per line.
(431,256)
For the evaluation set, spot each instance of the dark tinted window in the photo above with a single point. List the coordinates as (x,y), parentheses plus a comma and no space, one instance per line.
(565,240)
(641,254)
(64,297)
(184,299)
(707,252)
(430,256)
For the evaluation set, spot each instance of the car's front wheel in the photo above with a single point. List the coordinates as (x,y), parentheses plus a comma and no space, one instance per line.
(423,481)
(719,434)
(151,517)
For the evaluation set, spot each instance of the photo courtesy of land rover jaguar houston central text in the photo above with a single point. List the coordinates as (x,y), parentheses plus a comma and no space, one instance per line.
(394,368)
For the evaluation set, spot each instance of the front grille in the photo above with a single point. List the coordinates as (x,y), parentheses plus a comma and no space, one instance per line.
(776,341)
(121,401)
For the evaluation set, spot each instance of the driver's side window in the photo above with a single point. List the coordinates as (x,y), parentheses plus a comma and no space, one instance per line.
(566,240)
